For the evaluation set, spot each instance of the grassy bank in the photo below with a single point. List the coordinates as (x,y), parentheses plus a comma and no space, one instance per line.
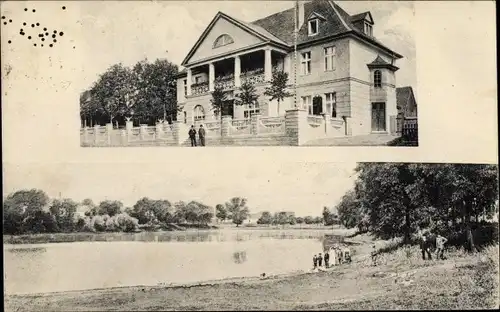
(401,281)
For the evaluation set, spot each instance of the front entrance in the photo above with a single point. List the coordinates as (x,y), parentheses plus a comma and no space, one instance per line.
(228,108)
(317,105)
(378,117)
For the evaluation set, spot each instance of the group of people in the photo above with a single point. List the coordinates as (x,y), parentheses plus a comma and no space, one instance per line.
(338,256)
(426,244)
(201,135)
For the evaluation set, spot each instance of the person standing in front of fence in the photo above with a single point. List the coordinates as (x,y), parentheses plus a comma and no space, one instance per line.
(192,135)
(201,134)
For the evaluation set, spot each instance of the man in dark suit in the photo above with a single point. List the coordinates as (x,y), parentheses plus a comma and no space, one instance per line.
(192,135)
(201,134)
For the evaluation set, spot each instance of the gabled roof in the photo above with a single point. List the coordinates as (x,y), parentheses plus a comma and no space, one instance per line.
(404,97)
(337,22)
(253,29)
(379,62)
(316,15)
(362,16)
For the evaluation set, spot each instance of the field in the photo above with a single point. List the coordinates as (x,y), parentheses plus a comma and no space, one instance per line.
(401,280)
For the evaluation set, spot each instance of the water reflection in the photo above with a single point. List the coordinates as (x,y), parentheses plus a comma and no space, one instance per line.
(240,257)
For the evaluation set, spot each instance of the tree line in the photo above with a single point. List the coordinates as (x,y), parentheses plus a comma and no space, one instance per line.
(144,93)
(404,200)
(32,212)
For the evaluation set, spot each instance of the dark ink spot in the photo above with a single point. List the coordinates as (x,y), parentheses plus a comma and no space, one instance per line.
(29,37)
(9,41)
(50,45)
(53,36)
(34,10)
(64,8)
(42,44)
(3,17)
(10,21)
(24,23)
(73,47)
(45,29)
(34,44)
(43,39)
(55,31)
(46,34)
(5,23)
(37,24)
(40,35)
(25,9)
(32,25)
(61,33)
(55,40)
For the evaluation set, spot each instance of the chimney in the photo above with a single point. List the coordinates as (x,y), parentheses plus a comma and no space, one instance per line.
(300,14)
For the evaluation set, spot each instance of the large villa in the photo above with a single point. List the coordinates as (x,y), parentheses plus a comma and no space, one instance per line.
(337,68)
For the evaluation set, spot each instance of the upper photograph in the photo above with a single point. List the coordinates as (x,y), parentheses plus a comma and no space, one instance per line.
(291,73)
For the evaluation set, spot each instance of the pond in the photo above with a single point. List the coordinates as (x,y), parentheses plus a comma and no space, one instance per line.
(151,259)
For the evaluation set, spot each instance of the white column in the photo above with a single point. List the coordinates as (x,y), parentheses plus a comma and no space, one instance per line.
(237,71)
(189,78)
(268,65)
(323,102)
(287,65)
(211,77)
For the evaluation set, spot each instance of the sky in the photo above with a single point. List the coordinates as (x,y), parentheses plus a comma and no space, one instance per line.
(304,188)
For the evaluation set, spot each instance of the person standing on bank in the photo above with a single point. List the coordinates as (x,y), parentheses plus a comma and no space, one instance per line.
(201,134)
(327,259)
(315,262)
(424,247)
(192,135)
(320,259)
(440,241)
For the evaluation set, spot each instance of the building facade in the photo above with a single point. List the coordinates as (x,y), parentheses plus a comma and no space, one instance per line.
(336,67)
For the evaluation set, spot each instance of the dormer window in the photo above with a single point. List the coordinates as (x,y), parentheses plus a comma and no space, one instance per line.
(223,40)
(368,29)
(313,27)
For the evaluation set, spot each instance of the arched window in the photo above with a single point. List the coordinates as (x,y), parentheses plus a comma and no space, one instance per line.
(377,79)
(199,113)
(223,40)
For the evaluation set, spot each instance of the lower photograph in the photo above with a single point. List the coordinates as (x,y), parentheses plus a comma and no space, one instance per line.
(302,236)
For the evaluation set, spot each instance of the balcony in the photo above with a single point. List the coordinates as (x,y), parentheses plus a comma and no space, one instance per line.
(256,76)
(199,88)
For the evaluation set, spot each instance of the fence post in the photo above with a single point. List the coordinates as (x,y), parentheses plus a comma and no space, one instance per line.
(158,131)
(142,131)
(296,126)
(124,137)
(85,135)
(109,131)
(328,124)
(96,134)
(254,123)
(226,121)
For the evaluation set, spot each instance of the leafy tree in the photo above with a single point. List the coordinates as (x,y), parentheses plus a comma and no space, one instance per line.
(112,92)
(221,212)
(22,205)
(64,212)
(218,100)
(247,94)
(299,220)
(238,210)
(109,207)
(156,96)
(318,220)
(278,87)
(349,210)
(88,107)
(265,218)
(308,220)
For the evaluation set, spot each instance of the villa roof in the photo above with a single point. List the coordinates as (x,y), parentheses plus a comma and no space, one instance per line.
(279,28)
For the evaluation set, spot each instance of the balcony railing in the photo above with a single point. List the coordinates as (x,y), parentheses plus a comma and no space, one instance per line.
(199,88)
(255,76)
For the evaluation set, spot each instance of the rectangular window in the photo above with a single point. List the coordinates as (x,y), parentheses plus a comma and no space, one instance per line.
(307,104)
(185,87)
(250,110)
(330,58)
(331,104)
(313,27)
(305,63)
